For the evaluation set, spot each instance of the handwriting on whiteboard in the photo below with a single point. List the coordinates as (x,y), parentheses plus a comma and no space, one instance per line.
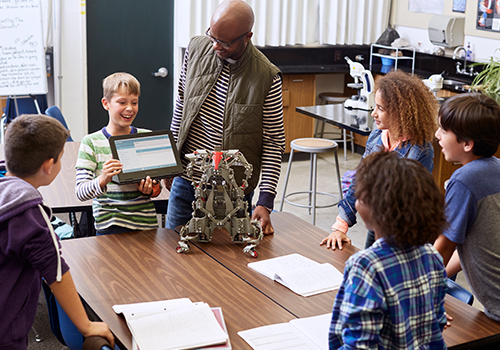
(22,55)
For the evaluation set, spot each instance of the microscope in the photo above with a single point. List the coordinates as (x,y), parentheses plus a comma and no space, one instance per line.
(435,83)
(363,82)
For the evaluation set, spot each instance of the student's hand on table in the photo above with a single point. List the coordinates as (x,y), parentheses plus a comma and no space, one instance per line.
(335,239)
(145,186)
(448,321)
(110,168)
(100,329)
(262,214)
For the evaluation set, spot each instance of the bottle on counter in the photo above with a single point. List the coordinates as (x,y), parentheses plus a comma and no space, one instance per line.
(469,55)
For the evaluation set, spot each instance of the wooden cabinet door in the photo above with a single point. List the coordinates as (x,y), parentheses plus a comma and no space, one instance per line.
(298,90)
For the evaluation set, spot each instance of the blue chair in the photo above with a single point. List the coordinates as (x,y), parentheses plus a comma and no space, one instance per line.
(25,105)
(55,112)
(459,292)
(65,331)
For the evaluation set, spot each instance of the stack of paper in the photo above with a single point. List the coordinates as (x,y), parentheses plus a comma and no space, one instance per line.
(174,324)
(300,274)
(309,333)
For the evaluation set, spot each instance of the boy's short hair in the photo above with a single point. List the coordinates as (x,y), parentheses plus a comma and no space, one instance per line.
(30,140)
(473,117)
(116,81)
(404,200)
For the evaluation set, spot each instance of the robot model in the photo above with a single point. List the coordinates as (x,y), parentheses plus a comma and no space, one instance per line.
(363,82)
(219,201)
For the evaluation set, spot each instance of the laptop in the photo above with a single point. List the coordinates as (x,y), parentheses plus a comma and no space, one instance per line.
(152,154)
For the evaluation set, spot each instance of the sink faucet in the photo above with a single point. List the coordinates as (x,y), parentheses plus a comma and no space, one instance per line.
(458,64)
(464,69)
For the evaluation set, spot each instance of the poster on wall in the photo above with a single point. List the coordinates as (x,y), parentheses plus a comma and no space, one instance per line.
(459,6)
(488,15)
(435,7)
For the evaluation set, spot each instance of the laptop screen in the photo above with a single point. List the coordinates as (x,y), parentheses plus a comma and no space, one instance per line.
(151,154)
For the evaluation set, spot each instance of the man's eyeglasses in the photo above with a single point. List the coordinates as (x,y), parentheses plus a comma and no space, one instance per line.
(226,45)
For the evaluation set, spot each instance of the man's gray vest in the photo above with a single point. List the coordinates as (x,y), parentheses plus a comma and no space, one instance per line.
(250,79)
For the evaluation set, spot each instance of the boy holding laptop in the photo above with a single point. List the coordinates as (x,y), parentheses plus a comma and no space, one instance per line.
(116,208)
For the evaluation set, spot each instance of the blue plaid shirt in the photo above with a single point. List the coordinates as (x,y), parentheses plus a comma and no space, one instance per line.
(390,299)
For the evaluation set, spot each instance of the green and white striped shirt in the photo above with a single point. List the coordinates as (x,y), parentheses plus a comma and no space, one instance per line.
(121,205)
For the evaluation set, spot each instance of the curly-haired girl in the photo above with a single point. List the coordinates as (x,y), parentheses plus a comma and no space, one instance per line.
(406,117)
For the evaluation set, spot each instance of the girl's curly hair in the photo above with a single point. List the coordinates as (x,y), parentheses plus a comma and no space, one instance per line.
(411,107)
(404,200)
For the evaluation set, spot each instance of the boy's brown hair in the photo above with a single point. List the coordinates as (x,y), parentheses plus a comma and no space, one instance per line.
(412,108)
(473,117)
(116,81)
(30,140)
(404,200)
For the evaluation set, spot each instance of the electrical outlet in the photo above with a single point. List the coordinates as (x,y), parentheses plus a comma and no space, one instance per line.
(337,57)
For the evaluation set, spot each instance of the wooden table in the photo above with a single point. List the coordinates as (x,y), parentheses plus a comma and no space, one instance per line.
(144,266)
(355,120)
(470,327)
(292,235)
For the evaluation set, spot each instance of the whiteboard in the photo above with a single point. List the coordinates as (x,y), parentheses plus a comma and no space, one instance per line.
(22,55)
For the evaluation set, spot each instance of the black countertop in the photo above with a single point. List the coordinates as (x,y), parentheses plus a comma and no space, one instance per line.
(330,59)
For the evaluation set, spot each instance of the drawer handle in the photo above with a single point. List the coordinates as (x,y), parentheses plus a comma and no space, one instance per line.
(456,163)
(297,80)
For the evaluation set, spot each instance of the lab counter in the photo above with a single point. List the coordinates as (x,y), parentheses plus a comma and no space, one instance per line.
(329,59)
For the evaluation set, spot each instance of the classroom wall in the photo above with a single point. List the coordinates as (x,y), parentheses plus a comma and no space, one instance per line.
(413,27)
(65,31)
(73,94)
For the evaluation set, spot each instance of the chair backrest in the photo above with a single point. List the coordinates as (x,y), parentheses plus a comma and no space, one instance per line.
(55,112)
(25,105)
(64,329)
(96,343)
(459,292)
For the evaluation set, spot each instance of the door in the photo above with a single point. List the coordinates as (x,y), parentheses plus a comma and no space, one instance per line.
(134,37)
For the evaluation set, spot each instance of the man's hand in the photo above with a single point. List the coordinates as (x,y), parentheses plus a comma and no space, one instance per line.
(262,214)
(110,168)
(168,182)
(335,239)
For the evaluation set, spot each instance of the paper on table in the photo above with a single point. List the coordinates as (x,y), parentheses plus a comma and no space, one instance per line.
(151,307)
(220,318)
(316,328)
(309,333)
(302,275)
(281,264)
(312,280)
(184,328)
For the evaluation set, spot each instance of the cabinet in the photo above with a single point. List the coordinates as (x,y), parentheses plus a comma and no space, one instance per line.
(298,90)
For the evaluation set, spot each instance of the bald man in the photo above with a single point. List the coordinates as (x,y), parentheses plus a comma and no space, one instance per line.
(229,95)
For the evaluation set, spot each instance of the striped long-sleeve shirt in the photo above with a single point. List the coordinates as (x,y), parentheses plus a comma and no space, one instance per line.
(207,128)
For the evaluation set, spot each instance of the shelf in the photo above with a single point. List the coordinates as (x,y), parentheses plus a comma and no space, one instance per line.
(395,58)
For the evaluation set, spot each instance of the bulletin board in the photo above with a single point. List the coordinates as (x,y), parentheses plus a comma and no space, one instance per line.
(488,15)
(22,54)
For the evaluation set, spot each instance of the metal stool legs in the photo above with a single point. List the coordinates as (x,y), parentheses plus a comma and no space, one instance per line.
(312,193)
(345,138)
